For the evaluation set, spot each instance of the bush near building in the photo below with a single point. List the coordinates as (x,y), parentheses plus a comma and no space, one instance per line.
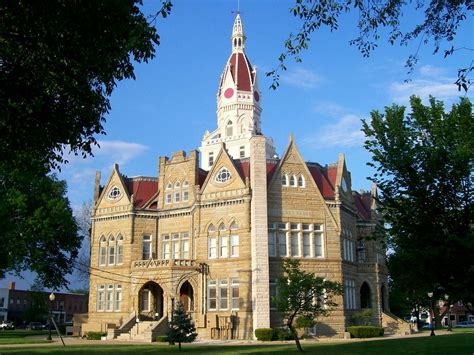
(363,331)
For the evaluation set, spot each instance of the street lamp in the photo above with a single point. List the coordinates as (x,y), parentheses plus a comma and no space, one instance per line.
(430,295)
(51,299)
(446,297)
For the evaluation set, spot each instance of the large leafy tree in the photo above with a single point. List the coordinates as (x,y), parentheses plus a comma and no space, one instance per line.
(59,63)
(302,294)
(383,19)
(424,173)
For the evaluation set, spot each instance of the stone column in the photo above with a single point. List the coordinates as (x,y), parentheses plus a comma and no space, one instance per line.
(259,234)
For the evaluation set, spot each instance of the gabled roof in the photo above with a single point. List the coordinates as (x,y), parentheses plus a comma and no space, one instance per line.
(143,188)
(362,203)
(324,178)
(243,167)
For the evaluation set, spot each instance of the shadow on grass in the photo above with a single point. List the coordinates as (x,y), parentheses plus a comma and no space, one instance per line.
(448,344)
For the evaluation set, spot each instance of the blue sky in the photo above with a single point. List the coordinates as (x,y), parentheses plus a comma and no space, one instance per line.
(321,101)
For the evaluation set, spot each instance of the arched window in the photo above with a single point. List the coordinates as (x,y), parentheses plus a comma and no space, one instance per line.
(234,240)
(284,180)
(185,191)
(223,242)
(292,180)
(177,185)
(185,183)
(301,181)
(120,249)
(102,251)
(111,250)
(229,129)
(168,186)
(365,301)
(211,228)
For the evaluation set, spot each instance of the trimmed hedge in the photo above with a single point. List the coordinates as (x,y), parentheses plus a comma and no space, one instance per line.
(162,339)
(364,331)
(282,334)
(95,335)
(265,334)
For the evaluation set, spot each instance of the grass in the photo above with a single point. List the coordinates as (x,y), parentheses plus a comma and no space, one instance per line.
(22,336)
(461,342)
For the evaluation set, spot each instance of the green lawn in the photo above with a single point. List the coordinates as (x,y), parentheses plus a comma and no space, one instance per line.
(457,343)
(22,336)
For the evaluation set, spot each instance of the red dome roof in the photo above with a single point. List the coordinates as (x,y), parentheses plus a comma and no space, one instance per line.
(240,69)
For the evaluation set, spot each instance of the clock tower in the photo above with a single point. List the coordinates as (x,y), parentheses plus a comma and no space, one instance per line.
(238,106)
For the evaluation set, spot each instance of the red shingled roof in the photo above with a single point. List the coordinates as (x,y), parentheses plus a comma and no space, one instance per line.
(271,167)
(322,180)
(243,167)
(362,204)
(241,70)
(142,189)
(202,174)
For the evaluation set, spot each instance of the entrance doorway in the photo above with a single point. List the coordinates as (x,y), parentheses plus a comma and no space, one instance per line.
(150,299)
(186,295)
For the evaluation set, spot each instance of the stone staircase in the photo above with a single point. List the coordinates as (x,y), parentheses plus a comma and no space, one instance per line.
(393,325)
(145,331)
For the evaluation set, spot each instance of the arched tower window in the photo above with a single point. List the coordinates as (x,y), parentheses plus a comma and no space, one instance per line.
(284,180)
(229,131)
(234,240)
(102,251)
(365,301)
(301,181)
(223,242)
(292,180)
(211,242)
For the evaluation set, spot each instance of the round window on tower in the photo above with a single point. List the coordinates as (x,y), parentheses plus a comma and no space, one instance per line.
(114,193)
(223,175)
(228,93)
(256,96)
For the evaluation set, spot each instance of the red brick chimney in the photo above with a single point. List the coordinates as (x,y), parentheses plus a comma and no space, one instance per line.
(11,285)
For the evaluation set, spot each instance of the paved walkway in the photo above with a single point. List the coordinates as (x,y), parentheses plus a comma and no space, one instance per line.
(78,341)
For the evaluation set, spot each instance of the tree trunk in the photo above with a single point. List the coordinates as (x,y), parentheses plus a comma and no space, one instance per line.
(295,335)
(179,345)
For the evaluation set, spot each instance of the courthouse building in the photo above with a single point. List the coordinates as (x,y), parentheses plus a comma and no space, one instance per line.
(212,228)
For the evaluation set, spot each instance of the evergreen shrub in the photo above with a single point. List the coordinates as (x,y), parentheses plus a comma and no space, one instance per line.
(363,331)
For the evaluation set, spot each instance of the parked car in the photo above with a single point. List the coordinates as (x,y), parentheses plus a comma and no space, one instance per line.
(465,324)
(35,326)
(7,325)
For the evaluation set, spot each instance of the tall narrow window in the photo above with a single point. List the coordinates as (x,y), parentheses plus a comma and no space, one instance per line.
(175,246)
(146,250)
(223,245)
(301,181)
(212,247)
(111,250)
(295,244)
(282,243)
(234,245)
(185,195)
(318,244)
(109,298)
(271,243)
(234,294)
(284,180)
(211,158)
(102,251)
(145,299)
(242,151)
(306,244)
(118,297)
(292,180)
(168,198)
(223,294)
(100,297)
(120,249)
(212,292)
(177,196)
(229,129)
(184,245)
(166,246)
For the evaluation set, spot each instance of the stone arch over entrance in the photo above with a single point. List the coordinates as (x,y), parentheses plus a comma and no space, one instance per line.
(365,296)
(186,296)
(151,301)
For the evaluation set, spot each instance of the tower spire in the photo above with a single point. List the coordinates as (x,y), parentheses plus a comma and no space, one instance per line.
(238,36)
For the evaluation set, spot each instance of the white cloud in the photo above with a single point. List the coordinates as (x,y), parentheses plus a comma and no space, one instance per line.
(346,132)
(442,89)
(329,108)
(431,71)
(301,78)
(119,151)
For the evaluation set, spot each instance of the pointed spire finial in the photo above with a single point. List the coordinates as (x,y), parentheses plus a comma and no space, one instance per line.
(238,36)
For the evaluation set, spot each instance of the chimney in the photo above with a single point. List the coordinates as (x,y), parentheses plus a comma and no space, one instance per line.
(11,285)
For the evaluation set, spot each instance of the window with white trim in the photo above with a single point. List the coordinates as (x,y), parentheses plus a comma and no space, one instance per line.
(166,246)
(100,297)
(102,251)
(282,249)
(146,247)
(349,294)
(185,195)
(175,245)
(306,244)
(234,240)
(211,158)
(234,294)
(212,247)
(272,241)
(120,249)
(109,298)
(348,245)
(177,196)
(242,151)
(301,181)
(118,297)
(168,198)
(111,259)
(212,295)
(185,245)
(292,181)
(284,180)
(223,294)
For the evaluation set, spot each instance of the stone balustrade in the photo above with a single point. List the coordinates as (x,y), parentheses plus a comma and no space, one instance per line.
(162,263)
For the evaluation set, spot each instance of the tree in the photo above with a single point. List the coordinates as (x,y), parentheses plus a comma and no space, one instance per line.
(424,174)
(59,63)
(302,294)
(38,231)
(37,310)
(84,223)
(441,21)
(182,328)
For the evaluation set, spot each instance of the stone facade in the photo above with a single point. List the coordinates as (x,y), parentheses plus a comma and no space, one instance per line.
(214,237)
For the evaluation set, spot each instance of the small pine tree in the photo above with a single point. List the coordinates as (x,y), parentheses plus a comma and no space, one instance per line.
(182,328)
